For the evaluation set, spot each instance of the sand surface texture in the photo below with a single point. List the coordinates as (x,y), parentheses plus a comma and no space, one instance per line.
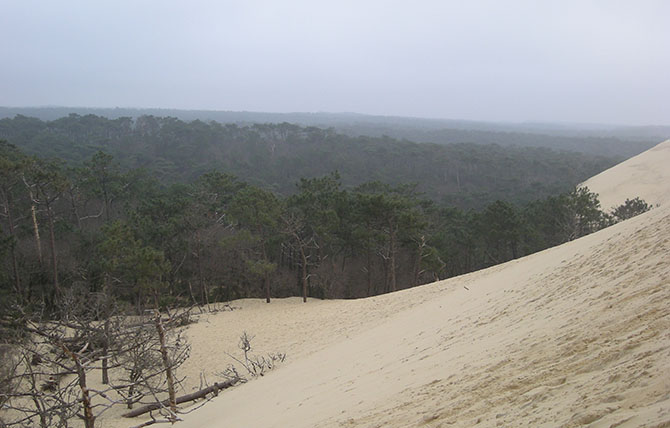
(646,176)
(577,335)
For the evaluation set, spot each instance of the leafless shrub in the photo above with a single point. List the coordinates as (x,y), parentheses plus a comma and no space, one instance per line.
(154,351)
(8,367)
(253,365)
(37,394)
(45,383)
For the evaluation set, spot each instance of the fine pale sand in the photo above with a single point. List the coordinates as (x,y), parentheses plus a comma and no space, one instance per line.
(577,335)
(646,176)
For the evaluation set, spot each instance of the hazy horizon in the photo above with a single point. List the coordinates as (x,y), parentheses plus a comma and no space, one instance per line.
(548,123)
(573,62)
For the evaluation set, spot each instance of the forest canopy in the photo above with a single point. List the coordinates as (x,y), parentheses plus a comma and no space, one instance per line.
(276,156)
(224,212)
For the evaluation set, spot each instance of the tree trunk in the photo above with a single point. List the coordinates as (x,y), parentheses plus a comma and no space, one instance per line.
(36,229)
(107,203)
(417,265)
(183,399)
(88,417)
(266,276)
(15,265)
(267,288)
(385,268)
(105,352)
(392,251)
(131,391)
(204,289)
(52,244)
(368,267)
(190,292)
(304,273)
(34,394)
(139,297)
(168,368)
(75,213)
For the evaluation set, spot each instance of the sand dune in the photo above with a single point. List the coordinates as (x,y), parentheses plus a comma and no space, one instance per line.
(573,336)
(577,335)
(646,175)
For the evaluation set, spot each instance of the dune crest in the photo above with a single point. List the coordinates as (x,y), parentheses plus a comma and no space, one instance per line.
(646,175)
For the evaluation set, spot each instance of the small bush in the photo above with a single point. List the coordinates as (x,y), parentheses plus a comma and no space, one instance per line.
(254,365)
(630,209)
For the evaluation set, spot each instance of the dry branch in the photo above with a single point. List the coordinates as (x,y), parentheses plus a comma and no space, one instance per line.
(183,399)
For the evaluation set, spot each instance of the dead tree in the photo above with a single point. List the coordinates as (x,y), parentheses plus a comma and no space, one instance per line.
(87,407)
(294,227)
(47,383)
(167,366)
(48,386)
(155,350)
(212,389)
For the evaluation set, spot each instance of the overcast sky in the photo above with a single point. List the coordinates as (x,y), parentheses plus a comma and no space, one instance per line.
(570,61)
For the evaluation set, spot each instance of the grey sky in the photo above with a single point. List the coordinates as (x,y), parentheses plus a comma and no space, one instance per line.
(563,60)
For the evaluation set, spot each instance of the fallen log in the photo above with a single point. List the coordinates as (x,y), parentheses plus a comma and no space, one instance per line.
(218,386)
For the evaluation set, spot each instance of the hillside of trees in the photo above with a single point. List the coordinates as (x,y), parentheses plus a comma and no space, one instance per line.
(276,156)
(194,212)
(99,227)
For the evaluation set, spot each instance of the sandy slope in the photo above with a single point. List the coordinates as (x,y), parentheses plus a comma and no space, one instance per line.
(646,175)
(577,335)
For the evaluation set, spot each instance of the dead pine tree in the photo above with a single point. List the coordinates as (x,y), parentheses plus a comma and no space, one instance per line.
(151,364)
(303,242)
(139,361)
(49,385)
(167,365)
(87,407)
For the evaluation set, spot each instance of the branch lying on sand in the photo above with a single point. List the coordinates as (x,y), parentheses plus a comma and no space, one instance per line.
(184,398)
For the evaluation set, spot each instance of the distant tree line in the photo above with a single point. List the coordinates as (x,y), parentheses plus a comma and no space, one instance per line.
(276,156)
(100,227)
(620,142)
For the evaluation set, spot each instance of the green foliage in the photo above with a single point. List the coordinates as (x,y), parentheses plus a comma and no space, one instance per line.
(102,178)
(200,236)
(318,202)
(276,156)
(501,228)
(454,239)
(213,192)
(256,209)
(47,177)
(621,142)
(582,214)
(630,209)
(12,163)
(11,159)
(241,239)
(472,240)
(261,268)
(129,265)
